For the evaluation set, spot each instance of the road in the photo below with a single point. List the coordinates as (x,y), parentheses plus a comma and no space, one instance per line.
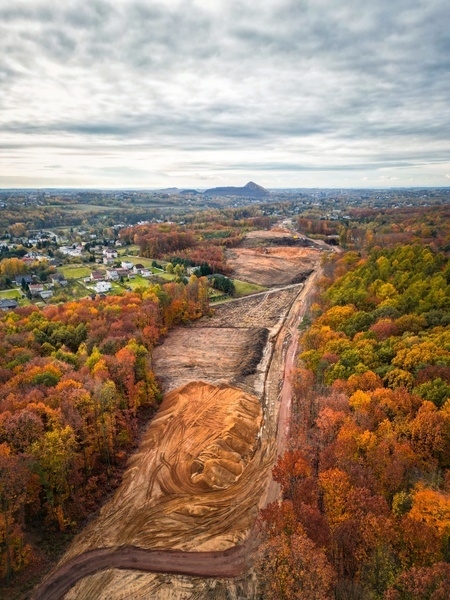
(235,560)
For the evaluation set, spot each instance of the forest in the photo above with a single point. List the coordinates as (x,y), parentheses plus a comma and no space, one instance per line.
(76,383)
(365,512)
(201,242)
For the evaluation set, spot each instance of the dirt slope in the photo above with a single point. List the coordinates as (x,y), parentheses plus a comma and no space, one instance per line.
(215,355)
(272,266)
(189,486)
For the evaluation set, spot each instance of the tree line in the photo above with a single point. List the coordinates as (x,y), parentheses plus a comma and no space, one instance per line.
(365,509)
(74,381)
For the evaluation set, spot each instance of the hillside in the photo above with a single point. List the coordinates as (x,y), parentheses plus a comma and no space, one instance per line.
(251,190)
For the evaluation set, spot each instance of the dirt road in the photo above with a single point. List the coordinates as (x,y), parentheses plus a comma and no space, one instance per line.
(226,563)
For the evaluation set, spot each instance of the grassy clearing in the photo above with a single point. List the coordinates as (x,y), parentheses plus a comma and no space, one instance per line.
(167,276)
(10,294)
(127,250)
(76,290)
(243,288)
(138,281)
(75,271)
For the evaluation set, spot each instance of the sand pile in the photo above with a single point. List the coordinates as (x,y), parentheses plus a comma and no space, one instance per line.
(197,477)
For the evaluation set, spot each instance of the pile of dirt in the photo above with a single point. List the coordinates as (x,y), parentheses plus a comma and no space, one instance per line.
(272,266)
(132,585)
(196,480)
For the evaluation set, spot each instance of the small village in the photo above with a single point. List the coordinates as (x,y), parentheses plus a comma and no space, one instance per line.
(50,268)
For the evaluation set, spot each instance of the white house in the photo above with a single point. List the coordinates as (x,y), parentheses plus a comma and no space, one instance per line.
(110,253)
(102,286)
(126,265)
(112,274)
(46,294)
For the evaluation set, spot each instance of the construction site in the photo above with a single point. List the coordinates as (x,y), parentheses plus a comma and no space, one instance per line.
(182,523)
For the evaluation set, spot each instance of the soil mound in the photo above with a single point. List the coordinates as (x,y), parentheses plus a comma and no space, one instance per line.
(195,482)
(275,237)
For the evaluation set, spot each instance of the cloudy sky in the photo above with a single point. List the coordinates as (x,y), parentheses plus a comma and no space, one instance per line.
(288,93)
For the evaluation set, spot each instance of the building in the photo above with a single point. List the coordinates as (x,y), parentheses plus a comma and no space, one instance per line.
(102,286)
(46,294)
(126,265)
(97,276)
(7,304)
(20,278)
(36,289)
(110,253)
(112,274)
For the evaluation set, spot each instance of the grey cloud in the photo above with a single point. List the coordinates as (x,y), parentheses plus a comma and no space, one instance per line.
(317,77)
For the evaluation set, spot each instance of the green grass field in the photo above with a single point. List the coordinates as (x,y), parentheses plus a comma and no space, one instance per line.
(243,288)
(126,250)
(138,281)
(75,271)
(10,294)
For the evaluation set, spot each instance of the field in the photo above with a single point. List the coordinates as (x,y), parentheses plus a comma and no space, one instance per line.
(75,271)
(10,294)
(243,288)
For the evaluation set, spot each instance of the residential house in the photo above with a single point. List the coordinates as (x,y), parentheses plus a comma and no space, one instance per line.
(46,294)
(20,278)
(112,274)
(110,253)
(97,276)
(36,289)
(138,268)
(102,286)
(125,264)
(7,304)
(58,279)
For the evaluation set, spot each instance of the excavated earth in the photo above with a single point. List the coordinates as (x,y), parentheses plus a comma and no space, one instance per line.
(272,266)
(275,237)
(200,474)
(230,347)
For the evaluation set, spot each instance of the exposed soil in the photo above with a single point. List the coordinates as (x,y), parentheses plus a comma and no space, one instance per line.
(156,586)
(227,348)
(275,237)
(265,309)
(271,267)
(211,354)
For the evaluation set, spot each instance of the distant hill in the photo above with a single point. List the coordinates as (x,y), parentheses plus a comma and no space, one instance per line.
(189,193)
(251,190)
